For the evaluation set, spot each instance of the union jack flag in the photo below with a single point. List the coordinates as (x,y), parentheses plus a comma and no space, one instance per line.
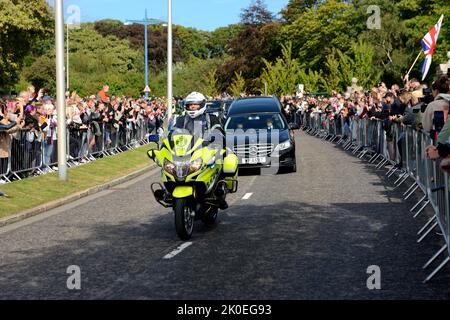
(429,44)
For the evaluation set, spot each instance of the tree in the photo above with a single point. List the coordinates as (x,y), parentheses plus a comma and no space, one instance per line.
(313,80)
(193,42)
(22,23)
(331,24)
(295,8)
(256,14)
(187,77)
(94,61)
(357,62)
(256,40)
(363,64)
(238,86)
(134,34)
(42,73)
(419,16)
(332,77)
(220,38)
(283,75)
(210,88)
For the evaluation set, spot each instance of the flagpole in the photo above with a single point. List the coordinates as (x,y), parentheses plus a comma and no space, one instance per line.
(414,63)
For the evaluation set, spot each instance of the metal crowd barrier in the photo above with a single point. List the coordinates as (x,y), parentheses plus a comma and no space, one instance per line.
(402,148)
(30,154)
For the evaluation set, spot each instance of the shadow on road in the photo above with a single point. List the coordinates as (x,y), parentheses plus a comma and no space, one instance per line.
(291,250)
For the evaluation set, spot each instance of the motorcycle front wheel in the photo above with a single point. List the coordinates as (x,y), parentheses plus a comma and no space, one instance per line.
(184,219)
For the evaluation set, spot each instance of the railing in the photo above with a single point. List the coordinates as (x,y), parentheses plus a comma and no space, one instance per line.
(31,153)
(402,148)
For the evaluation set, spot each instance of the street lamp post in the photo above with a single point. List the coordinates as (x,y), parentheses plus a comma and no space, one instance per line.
(67,58)
(169,63)
(146,22)
(60,89)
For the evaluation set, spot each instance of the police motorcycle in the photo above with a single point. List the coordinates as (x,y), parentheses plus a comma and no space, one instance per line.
(196,178)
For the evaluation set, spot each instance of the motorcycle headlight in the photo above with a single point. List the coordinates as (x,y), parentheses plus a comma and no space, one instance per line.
(195,165)
(169,167)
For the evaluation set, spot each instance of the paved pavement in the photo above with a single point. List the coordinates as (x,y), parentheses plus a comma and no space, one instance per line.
(308,235)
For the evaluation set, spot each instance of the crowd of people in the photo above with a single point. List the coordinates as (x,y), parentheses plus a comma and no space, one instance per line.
(413,104)
(28,125)
(28,121)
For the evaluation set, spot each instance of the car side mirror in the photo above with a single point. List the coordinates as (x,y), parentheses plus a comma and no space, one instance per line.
(294,126)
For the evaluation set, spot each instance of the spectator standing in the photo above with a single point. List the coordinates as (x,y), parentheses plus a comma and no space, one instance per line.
(440,90)
(103,94)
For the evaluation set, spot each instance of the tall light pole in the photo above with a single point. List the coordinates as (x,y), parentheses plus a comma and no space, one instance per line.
(67,58)
(146,22)
(169,63)
(60,89)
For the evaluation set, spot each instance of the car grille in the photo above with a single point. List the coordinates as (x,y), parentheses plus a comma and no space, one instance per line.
(254,150)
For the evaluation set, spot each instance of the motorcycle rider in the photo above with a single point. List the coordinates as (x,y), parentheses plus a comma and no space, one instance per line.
(201,125)
(196,121)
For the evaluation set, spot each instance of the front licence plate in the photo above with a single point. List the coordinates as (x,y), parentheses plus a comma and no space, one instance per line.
(254,160)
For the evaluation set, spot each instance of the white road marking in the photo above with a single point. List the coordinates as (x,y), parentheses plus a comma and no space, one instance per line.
(247,196)
(177,250)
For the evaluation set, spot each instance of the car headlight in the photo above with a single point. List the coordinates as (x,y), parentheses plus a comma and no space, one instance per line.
(283,146)
(195,165)
(169,167)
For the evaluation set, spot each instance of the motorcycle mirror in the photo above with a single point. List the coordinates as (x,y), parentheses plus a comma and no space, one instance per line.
(151,154)
(153,138)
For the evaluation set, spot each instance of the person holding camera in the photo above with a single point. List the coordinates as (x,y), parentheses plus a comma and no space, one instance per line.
(7,128)
(95,124)
(435,115)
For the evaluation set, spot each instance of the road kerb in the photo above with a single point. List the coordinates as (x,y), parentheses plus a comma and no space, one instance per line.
(69,199)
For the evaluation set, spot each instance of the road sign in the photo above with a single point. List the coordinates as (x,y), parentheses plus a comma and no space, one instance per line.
(147,89)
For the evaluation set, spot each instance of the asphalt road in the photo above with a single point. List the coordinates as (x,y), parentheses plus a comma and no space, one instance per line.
(308,235)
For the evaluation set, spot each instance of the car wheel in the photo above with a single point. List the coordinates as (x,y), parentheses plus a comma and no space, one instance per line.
(293,168)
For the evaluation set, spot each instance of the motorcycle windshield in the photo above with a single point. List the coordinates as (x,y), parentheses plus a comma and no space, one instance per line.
(182,144)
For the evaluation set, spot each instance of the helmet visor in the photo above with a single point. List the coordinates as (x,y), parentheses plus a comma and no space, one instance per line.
(194,106)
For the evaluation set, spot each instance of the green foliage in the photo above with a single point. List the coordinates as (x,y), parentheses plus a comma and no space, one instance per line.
(193,42)
(297,7)
(311,79)
(363,66)
(187,77)
(210,88)
(332,78)
(257,40)
(316,31)
(220,38)
(22,23)
(342,67)
(238,86)
(93,61)
(134,34)
(283,75)
(320,43)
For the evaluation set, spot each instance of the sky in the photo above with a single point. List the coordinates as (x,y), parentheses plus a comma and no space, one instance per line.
(200,14)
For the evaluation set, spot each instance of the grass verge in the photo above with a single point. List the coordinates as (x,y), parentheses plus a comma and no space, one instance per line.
(35,191)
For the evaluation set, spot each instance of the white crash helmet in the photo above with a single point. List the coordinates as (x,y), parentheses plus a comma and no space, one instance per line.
(195,98)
